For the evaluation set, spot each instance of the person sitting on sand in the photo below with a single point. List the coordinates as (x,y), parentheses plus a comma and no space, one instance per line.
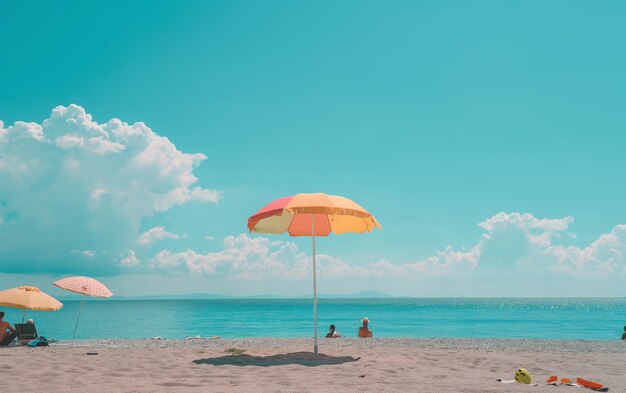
(7,333)
(333,333)
(364,331)
(624,334)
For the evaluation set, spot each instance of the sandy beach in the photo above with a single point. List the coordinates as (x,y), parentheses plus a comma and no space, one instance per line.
(287,365)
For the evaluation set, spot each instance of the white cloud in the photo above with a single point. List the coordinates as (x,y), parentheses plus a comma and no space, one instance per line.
(130,260)
(523,239)
(259,257)
(242,256)
(250,258)
(210,238)
(606,255)
(509,241)
(526,220)
(155,235)
(21,131)
(70,141)
(71,183)
(84,253)
(539,231)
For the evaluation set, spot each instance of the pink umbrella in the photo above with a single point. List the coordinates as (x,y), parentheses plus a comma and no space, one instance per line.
(86,286)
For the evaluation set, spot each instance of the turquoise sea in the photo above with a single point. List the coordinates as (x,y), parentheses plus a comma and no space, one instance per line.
(594,318)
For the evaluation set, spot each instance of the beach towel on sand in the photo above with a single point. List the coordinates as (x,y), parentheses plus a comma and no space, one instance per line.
(38,342)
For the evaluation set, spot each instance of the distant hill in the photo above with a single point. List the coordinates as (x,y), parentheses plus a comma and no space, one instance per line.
(358,295)
(157,297)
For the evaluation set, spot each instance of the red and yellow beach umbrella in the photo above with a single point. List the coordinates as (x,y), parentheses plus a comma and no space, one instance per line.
(312,215)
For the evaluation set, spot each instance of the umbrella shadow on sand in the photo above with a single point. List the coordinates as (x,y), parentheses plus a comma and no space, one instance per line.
(307,359)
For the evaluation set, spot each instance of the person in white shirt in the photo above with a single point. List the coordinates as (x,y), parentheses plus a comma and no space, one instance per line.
(333,333)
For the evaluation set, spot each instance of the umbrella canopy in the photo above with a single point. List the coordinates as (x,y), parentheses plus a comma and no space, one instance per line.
(312,215)
(85,286)
(29,298)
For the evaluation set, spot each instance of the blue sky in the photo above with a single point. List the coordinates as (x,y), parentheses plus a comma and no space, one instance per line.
(435,116)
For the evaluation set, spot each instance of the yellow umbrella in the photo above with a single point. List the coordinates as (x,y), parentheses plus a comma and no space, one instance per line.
(28,298)
(312,215)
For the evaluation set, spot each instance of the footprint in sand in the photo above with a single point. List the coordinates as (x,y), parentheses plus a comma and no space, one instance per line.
(175,384)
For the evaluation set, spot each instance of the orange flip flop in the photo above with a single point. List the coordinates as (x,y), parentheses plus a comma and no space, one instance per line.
(591,385)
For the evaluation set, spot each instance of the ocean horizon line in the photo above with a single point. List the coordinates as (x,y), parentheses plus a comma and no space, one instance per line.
(322,296)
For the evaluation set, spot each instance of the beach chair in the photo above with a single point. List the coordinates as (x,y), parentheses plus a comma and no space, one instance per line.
(26,332)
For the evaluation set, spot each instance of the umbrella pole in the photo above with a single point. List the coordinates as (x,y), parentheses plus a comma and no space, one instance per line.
(82,301)
(24,316)
(314,286)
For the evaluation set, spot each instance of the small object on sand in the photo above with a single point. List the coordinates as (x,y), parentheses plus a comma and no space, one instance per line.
(155,338)
(598,387)
(514,381)
(215,337)
(523,376)
(362,376)
(91,353)
(583,383)
(235,351)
